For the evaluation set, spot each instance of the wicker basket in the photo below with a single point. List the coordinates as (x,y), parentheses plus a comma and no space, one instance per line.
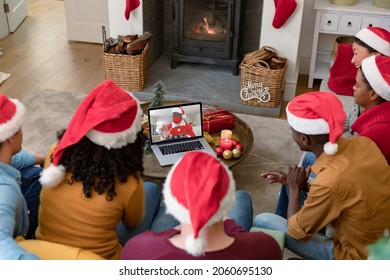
(261,85)
(128,71)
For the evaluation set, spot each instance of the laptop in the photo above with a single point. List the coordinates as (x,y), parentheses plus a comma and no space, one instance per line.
(180,137)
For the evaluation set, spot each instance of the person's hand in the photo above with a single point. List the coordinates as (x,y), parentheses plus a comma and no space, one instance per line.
(275,177)
(39,159)
(297,178)
(165,132)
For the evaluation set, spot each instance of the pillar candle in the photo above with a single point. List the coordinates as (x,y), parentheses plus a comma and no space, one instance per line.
(226,133)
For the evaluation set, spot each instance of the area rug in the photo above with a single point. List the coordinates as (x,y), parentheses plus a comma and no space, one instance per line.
(273,149)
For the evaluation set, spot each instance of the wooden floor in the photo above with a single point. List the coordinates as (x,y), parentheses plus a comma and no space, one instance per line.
(39,56)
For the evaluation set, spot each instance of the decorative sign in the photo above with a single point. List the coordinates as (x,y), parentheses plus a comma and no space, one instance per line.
(255,91)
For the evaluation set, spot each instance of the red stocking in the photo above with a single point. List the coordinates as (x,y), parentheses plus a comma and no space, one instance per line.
(283,10)
(131,5)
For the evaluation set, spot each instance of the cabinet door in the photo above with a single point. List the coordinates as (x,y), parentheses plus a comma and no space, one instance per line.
(386,23)
(18,10)
(85,18)
(350,24)
(329,22)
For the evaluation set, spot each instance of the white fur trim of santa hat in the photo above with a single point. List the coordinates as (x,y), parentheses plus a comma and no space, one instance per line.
(377,38)
(11,126)
(120,139)
(307,126)
(376,69)
(196,246)
(177,110)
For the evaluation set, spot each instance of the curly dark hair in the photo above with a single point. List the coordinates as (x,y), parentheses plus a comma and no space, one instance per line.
(364,45)
(98,168)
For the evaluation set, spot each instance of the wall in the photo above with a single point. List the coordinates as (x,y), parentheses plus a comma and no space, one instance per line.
(286,40)
(118,24)
(306,41)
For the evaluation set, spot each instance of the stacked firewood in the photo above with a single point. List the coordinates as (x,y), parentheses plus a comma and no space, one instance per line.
(266,55)
(127,44)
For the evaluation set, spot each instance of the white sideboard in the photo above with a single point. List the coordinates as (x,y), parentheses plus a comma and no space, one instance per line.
(340,20)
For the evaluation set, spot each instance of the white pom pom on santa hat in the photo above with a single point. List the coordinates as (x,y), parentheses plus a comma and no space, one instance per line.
(52,176)
(317,113)
(330,148)
(195,246)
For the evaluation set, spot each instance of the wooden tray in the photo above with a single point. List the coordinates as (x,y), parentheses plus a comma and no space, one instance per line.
(242,130)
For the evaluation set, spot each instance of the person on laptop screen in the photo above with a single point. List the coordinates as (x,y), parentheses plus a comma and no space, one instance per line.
(179,128)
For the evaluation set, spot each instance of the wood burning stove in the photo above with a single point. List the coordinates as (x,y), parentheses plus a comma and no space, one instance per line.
(208,31)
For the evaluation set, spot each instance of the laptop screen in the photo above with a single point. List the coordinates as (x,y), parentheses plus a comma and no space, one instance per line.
(175,122)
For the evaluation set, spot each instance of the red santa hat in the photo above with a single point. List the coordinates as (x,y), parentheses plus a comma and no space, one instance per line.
(377,38)
(12,113)
(108,116)
(376,69)
(199,191)
(316,113)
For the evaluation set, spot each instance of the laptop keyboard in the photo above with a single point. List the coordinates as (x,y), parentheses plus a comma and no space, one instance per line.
(181,147)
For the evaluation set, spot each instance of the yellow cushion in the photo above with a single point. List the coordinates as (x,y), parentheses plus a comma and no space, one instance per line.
(52,251)
(276,234)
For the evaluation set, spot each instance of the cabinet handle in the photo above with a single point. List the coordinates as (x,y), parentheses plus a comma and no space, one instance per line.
(329,23)
(349,24)
(370,25)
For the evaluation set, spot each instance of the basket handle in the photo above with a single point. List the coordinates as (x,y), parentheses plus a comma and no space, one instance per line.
(261,62)
(269,48)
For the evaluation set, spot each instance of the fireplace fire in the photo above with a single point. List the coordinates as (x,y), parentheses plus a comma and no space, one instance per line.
(208,31)
(213,31)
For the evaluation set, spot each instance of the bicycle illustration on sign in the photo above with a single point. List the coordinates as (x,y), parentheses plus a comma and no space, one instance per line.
(255,91)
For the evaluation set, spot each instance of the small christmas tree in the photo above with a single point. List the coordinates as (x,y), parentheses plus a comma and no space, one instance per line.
(158,98)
